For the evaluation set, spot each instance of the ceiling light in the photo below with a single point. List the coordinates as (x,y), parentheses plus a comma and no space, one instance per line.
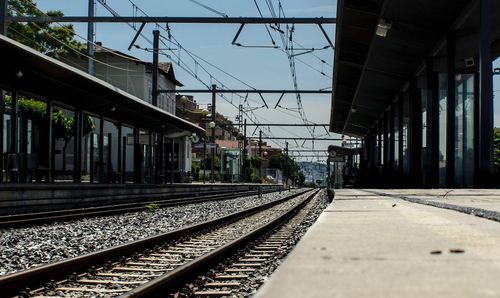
(383,27)
(19,73)
(354,109)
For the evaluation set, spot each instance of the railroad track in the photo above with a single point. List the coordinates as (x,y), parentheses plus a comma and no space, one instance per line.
(12,221)
(145,267)
(244,267)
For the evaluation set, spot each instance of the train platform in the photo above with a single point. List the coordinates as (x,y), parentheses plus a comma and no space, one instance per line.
(397,243)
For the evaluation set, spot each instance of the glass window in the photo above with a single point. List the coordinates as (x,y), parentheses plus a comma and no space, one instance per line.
(443,93)
(396,136)
(405,134)
(464,130)
(425,150)
(459,131)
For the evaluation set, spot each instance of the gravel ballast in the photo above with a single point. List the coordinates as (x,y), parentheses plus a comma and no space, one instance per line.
(23,248)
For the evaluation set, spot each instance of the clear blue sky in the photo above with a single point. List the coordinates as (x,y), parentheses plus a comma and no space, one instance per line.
(260,68)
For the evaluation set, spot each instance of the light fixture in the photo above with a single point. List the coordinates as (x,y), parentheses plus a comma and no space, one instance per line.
(384,25)
(204,112)
(354,108)
(19,73)
(184,98)
(496,71)
(113,108)
(211,124)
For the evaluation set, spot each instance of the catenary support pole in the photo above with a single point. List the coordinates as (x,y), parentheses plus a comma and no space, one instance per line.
(156,57)
(485,94)
(90,39)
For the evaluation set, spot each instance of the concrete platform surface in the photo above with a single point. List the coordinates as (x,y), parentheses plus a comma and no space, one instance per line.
(367,245)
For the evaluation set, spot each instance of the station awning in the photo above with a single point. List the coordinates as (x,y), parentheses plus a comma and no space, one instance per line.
(371,69)
(45,77)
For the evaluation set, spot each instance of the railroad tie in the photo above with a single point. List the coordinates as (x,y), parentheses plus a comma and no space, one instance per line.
(109,282)
(95,290)
(212,293)
(240,276)
(128,275)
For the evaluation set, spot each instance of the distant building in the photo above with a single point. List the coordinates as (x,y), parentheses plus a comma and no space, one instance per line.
(135,77)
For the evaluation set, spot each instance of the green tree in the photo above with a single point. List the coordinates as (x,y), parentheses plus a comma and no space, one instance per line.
(63,126)
(54,40)
(496,151)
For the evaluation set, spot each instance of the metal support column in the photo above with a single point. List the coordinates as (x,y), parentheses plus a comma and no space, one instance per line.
(156,53)
(285,168)
(77,145)
(91,159)
(13,159)
(119,151)
(3,30)
(477,128)
(392,138)
(23,149)
(245,152)
(109,164)
(260,153)
(100,146)
(50,142)
(450,111)
(328,171)
(151,172)
(212,140)
(90,39)
(161,159)
(432,126)
(385,133)
(138,157)
(124,159)
(172,160)
(204,163)
(485,94)
(415,134)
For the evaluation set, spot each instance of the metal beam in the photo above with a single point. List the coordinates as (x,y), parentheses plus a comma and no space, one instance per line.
(304,139)
(249,91)
(184,20)
(285,124)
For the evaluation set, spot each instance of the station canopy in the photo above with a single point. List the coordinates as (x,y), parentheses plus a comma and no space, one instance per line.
(371,68)
(45,77)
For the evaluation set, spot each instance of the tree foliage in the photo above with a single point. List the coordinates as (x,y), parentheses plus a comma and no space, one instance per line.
(496,150)
(290,168)
(54,40)
(63,125)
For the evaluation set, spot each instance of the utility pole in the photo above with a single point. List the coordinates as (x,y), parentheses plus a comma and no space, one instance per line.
(212,163)
(240,127)
(90,39)
(244,168)
(156,50)
(260,153)
(285,166)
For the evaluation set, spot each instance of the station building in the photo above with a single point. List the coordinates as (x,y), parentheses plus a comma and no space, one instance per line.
(70,126)
(414,80)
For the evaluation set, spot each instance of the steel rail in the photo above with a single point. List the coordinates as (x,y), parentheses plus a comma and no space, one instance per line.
(27,219)
(179,276)
(35,278)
